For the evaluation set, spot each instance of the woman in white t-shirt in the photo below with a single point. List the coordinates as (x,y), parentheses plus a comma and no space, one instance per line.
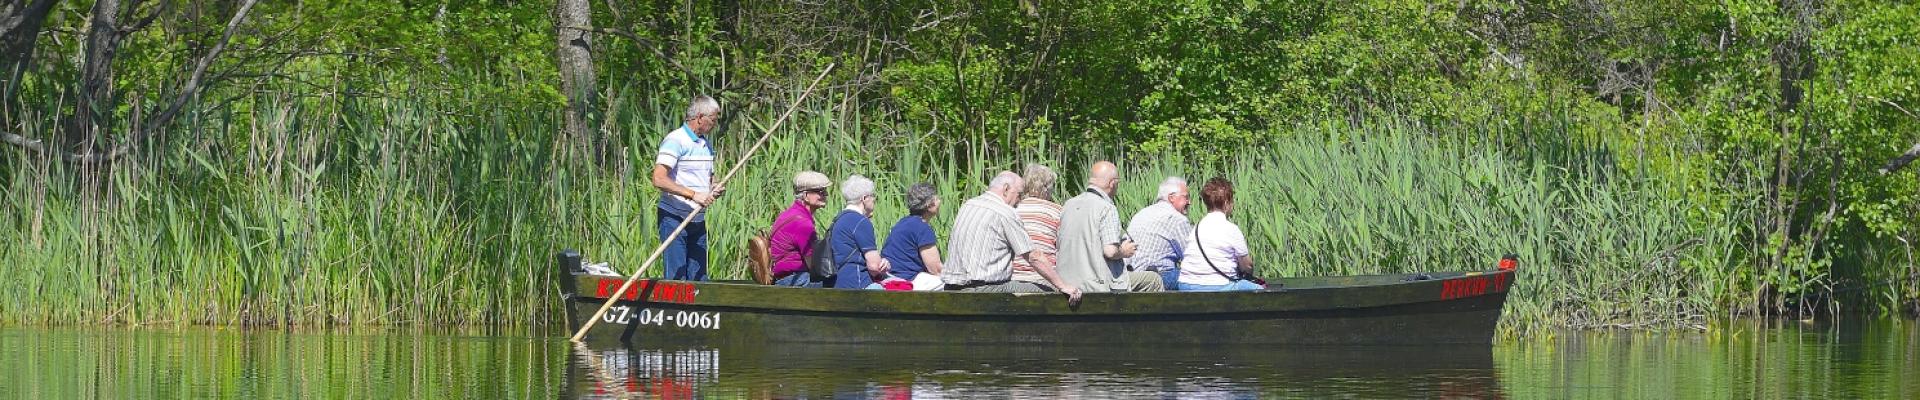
(1217,259)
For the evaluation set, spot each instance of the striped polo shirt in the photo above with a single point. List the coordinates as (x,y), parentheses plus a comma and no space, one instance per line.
(689,161)
(1041,219)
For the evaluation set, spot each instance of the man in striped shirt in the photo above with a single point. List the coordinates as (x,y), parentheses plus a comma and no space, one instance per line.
(683,171)
(985,240)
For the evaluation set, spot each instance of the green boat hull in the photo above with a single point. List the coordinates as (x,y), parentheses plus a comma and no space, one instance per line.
(1441,308)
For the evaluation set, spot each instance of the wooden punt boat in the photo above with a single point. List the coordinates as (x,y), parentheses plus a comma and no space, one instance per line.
(1441,308)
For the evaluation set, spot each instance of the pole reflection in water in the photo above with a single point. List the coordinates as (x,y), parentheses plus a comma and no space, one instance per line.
(942,372)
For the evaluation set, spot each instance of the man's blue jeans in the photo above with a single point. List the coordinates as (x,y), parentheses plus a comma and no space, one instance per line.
(797,279)
(685,258)
(1170,277)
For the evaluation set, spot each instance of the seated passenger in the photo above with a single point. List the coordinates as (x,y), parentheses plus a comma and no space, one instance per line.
(985,239)
(1093,249)
(791,241)
(911,248)
(856,257)
(1217,259)
(1162,231)
(1040,216)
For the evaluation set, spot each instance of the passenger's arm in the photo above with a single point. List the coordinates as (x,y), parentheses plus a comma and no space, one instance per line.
(1245,266)
(930,256)
(876,265)
(1122,247)
(1119,251)
(1044,266)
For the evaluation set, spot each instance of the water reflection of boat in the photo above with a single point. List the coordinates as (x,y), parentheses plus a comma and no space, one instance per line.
(953,371)
(1424,309)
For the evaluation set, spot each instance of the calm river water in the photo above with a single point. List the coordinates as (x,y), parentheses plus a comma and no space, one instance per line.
(1870,360)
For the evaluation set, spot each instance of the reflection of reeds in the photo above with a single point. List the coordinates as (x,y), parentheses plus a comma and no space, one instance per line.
(208,363)
(285,210)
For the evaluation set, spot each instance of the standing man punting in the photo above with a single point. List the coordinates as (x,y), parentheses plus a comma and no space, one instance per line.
(683,171)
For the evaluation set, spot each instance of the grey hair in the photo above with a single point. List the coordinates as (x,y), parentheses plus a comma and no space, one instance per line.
(1039,181)
(1169,187)
(856,188)
(920,197)
(702,105)
(1003,180)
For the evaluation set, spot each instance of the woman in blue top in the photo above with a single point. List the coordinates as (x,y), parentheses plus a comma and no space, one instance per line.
(911,246)
(855,255)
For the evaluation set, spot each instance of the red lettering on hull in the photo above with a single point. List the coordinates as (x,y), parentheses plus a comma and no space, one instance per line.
(606,287)
(1475,286)
(657,291)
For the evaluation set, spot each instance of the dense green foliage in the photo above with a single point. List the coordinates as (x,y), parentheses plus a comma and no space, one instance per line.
(1654,163)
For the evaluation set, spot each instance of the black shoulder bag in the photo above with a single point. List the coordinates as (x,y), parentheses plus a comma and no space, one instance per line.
(1216,269)
(825,264)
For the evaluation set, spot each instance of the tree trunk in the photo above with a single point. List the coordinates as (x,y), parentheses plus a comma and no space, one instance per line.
(1793,58)
(93,105)
(1794,55)
(20,22)
(574,56)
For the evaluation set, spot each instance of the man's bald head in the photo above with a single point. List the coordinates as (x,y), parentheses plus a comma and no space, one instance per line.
(1105,176)
(1103,170)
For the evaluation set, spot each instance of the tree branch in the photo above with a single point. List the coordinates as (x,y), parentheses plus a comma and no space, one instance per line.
(191,88)
(145,128)
(1901,161)
(38,146)
(153,14)
(1905,158)
(23,142)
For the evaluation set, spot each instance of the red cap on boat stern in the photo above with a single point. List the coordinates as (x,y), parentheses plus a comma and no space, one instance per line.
(1509,262)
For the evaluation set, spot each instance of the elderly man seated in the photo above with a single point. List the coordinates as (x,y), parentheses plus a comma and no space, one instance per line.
(1162,231)
(1093,249)
(791,242)
(985,239)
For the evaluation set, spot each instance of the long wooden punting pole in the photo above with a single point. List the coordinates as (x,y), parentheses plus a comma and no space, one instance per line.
(697,209)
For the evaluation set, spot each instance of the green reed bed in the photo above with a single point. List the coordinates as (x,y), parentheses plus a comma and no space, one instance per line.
(357,211)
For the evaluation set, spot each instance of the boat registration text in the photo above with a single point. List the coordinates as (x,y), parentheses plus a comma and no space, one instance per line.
(647,316)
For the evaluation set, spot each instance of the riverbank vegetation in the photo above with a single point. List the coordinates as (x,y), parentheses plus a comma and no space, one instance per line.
(1654,166)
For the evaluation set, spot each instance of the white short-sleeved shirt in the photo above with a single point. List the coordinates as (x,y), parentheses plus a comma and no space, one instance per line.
(1224,243)
(689,161)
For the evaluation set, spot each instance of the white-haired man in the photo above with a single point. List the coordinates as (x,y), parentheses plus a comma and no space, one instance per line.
(985,239)
(683,171)
(1162,230)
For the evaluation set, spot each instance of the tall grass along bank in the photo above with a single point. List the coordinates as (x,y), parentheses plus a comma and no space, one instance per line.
(358,211)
